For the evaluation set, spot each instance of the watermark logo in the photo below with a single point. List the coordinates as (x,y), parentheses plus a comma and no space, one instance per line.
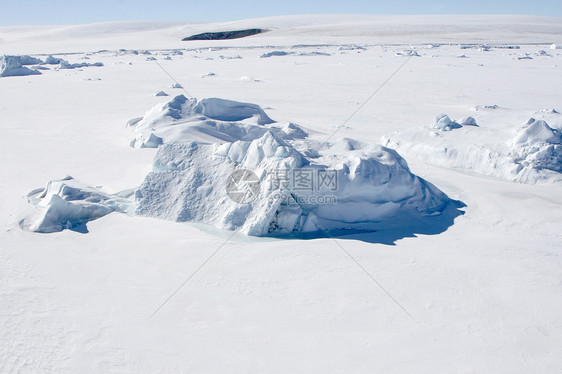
(303,180)
(306,186)
(243,186)
(290,198)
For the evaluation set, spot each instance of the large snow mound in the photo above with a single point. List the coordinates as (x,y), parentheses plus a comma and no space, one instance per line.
(70,204)
(533,154)
(12,66)
(370,184)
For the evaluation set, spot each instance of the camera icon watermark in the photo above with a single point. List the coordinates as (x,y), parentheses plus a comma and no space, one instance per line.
(243,186)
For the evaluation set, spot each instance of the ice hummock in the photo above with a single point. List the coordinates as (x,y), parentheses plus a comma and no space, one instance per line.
(50,60)
(532,155)
(69,204)
(189,180)
(12,66)
(275,53)
(538,148)
(443,122)
(67,65)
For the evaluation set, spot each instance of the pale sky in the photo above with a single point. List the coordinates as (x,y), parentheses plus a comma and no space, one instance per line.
(22,12)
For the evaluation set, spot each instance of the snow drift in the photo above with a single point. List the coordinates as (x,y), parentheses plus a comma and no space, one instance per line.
(532,155)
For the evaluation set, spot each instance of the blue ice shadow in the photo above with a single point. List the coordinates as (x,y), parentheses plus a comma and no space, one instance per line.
(391,230)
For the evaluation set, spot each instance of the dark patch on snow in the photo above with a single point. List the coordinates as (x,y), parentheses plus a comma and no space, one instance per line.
(223,35)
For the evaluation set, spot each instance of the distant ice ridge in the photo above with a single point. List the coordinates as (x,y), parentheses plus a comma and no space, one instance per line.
(67,65)
(228,164)
(70,204)
(532,155)
(12,66)
(275,53)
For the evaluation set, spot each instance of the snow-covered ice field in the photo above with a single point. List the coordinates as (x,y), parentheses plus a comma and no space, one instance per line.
(478,294)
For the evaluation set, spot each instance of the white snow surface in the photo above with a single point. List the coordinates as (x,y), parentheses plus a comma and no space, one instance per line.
(483,288)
